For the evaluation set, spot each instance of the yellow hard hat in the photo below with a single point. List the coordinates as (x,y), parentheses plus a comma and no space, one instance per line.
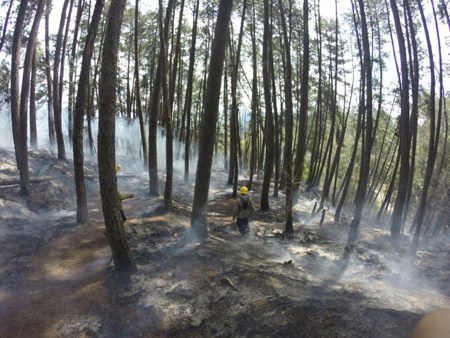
(117,168)
(243,190)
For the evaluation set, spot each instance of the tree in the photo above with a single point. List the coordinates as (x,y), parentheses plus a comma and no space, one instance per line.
(199,222)
(289,121)
(188,97)
(57,68)
(72,68)
(123,259)
(139,111)
(15,74)
(405,138)
(367,104)
(155,99)
(51,116)
(5,25)
(24,98)
(234,116)
(433,136)
(80,108)
(269,127)
(303,113)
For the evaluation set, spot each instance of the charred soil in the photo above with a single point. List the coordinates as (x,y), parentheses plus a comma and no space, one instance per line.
(57,278)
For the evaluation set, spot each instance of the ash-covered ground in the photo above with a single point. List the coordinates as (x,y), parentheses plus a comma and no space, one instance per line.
(57,277)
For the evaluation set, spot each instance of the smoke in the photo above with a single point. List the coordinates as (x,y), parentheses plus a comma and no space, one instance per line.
(6,139)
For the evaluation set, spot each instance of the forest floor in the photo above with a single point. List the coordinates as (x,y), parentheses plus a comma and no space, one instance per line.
(57,278)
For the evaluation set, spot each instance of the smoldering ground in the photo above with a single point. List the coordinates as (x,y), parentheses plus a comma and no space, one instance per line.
(263,285)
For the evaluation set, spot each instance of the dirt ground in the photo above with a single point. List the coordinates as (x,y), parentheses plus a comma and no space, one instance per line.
(57,278)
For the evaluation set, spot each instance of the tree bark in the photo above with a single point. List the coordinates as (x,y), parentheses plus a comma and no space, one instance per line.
(48,75)
(80,107)
(123,259)
(139,111)
(405,138)
(57,104)
(303,113)
(268,127)
(15,74)
(24,98)
(199,222)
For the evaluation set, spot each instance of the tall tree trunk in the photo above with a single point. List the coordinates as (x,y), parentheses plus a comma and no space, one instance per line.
(57,104)
(199,221)
(234,118)
(155,100)
(433,137)
(48,75)
(33,124)
(168,104)
(255,101)
(5,25)
(123,259)
(269,127)
(331,165)
(15,74)
(289,120)
(188,99)
(139,111)
(80,107)
(368,132)
(72,69)
(405,138)
(303,113)
(24,98)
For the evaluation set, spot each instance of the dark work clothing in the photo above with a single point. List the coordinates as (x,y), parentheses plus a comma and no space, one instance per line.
(242,224)
(242,214)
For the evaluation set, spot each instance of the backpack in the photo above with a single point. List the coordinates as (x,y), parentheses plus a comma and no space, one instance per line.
(245,203)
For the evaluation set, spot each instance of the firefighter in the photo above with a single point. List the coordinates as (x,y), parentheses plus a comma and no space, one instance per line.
(243,209)
(122,197)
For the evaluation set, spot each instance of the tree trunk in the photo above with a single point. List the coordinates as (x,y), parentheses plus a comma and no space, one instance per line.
(5,25)
(72,69)
(188,99)
(123,259)
(24,98)
(48,75)
(156,100)
(303,113)
(433,137)
(139,111)
(268,128)
(33,126)
(289,119)
(80,107)
(199,222)
(57,104)
(368,131)
(405,138)
(15,74)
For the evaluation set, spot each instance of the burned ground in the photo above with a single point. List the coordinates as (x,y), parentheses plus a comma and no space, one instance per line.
(57,277)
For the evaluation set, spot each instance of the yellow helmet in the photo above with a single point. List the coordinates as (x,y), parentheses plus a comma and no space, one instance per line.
(243,190)
(117,168)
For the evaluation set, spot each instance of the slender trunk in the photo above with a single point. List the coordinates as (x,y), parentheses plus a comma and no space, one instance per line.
(139,111)
(268,127)
(81,103)
(208,127)
(51,116)
(24,97)
(123,259)
(57,104)
(405,137)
